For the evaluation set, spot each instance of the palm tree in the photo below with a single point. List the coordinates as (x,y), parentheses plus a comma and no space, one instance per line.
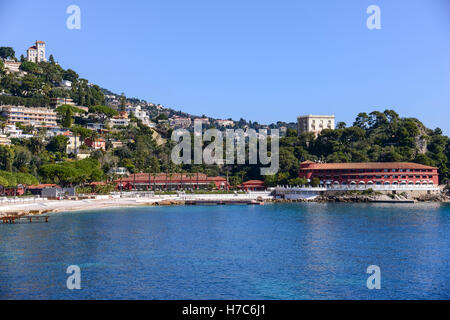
(190,175)
(170,175)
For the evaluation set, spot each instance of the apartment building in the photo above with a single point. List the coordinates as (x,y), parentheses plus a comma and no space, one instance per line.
(36,117)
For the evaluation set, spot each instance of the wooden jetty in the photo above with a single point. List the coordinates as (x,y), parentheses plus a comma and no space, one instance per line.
(223,202)
(18,219)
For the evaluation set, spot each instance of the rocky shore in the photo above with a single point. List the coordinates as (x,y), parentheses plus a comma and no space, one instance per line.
(371,198)
(53,206)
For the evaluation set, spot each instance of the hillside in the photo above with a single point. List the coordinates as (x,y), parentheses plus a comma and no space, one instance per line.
(378,136)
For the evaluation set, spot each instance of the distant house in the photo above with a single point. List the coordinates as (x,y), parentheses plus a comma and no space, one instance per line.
(180,122)
(203,121)
(56,102)
(120,171)
(12,66)
(95,126)
(117,144)
(13,132)
(224,123)
(118,122)
(83,154)
(253,185)
(36,53)
(96,144)
(36,117)
(66,84)
(4,140)
(52,191)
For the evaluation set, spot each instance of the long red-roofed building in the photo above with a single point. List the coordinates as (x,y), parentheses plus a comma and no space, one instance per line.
(370,173)
(148,181)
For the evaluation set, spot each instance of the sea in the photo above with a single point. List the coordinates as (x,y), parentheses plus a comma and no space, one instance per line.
(296,251)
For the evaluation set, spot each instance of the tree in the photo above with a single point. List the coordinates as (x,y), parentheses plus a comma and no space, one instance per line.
(7,53)
(22,158)
(362,121)
(29,66)
(70,75)
(341,125)
(51,59)
(26,179)
(122,102)
(315,182)
(103,112)
(58,144)
(6,158)
(67,119)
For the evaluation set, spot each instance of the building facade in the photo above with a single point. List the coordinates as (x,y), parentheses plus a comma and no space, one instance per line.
(96,144)
(314,124)
(224,123)
(163,181)
(370,174)
(56,102)
(36,117)
(36,53)
(180,122)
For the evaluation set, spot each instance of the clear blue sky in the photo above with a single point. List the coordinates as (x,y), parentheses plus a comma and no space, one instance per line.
(260,60)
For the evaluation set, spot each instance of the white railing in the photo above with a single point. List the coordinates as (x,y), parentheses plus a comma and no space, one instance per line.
(307,189)
(383,187)
(5,200)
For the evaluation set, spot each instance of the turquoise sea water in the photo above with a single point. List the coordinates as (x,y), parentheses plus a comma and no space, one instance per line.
(279,251)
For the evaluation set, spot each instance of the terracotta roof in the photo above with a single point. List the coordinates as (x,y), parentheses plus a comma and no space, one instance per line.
(40,41)
(253,182)
(162,177)
(366,165)
(32,48)
(42,186)
(98,183)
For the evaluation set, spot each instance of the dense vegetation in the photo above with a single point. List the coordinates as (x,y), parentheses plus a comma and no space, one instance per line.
(41,82)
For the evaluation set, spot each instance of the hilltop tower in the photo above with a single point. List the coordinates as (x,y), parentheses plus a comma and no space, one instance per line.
(36,53)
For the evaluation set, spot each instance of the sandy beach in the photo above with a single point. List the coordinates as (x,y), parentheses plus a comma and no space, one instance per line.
(23,206)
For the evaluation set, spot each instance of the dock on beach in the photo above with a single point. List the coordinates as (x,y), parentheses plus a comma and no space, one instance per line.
(18,219)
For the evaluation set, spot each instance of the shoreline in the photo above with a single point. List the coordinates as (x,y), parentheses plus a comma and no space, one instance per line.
(44,206)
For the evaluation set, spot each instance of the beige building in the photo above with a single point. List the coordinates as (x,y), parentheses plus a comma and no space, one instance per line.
(73,144)
(37,117)
(56,102)
(224,123)
(4,140)
(36,53)
(315,124)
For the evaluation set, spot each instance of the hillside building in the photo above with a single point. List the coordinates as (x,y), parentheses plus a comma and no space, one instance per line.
(36,53)
(36,117)
(314,124)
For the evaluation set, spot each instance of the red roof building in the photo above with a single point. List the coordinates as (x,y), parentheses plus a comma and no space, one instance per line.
(253,185)
(99,143)
(148,181)
(370,173)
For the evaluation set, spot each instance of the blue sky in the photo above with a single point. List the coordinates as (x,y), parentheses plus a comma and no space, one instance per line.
(260,60)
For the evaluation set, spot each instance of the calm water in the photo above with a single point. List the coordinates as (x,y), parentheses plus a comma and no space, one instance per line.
(289,251)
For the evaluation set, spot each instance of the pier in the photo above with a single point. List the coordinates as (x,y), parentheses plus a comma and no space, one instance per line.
(18,219)
(224,202)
